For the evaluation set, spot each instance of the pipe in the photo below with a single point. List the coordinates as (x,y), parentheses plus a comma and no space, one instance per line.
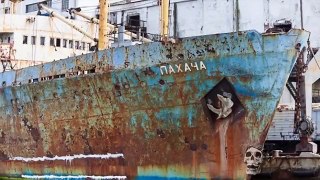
(175,20)
(63,19)
(103,25)
(301,14)
(112,27)
(237,16)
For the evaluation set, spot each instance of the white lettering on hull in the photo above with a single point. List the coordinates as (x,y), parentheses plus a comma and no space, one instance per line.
(184,67)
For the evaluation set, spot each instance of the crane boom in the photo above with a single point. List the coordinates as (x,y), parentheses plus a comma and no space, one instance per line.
(63,19)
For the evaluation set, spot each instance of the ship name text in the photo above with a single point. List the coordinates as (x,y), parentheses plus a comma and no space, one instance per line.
(183,67)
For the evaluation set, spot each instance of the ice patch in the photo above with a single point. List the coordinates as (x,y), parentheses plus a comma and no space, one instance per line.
(69,158)
(71,177)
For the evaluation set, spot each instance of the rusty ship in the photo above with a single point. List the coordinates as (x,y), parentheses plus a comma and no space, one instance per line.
(192,108)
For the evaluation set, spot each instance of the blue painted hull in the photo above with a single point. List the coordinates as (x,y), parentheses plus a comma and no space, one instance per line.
(167,111)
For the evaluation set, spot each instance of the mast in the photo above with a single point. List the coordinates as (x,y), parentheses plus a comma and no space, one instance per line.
(103,25)
(164,19)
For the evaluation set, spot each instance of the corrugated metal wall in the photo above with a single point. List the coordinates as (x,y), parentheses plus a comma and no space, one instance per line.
(316,119)
(282,127)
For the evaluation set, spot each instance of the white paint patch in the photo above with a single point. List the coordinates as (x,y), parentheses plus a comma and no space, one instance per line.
(72,177)
(69,158)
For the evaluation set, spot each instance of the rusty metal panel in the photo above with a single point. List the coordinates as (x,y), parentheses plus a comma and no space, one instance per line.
(303,166)
(282,127)
(188,109)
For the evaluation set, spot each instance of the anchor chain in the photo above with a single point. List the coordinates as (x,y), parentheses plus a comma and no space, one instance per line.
(302,124)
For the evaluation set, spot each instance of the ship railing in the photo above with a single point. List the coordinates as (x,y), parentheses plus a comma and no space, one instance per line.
(48,78)
(139,32)
(135,23)
(136,27)
(58,76)
(91,70)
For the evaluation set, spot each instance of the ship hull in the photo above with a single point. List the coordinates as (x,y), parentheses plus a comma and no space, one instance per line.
(146,111)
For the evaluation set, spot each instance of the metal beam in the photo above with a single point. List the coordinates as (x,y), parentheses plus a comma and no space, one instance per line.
(63,19)
(91,19)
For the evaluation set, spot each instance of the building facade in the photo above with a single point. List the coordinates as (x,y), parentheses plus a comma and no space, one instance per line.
(61,6)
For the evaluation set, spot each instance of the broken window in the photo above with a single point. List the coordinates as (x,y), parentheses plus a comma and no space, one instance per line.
(77,45)
(64,43)
(49,3)
(83,45)
(65,5)
(58,42)
(33,40)
(71,44)
(34,6)
(134,20)
(31,7)
(112,18)
(136,25)
(25,40)
(51,41)
(7,10)
(42,41)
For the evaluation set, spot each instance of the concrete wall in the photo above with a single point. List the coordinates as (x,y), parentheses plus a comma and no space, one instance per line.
(316,117)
